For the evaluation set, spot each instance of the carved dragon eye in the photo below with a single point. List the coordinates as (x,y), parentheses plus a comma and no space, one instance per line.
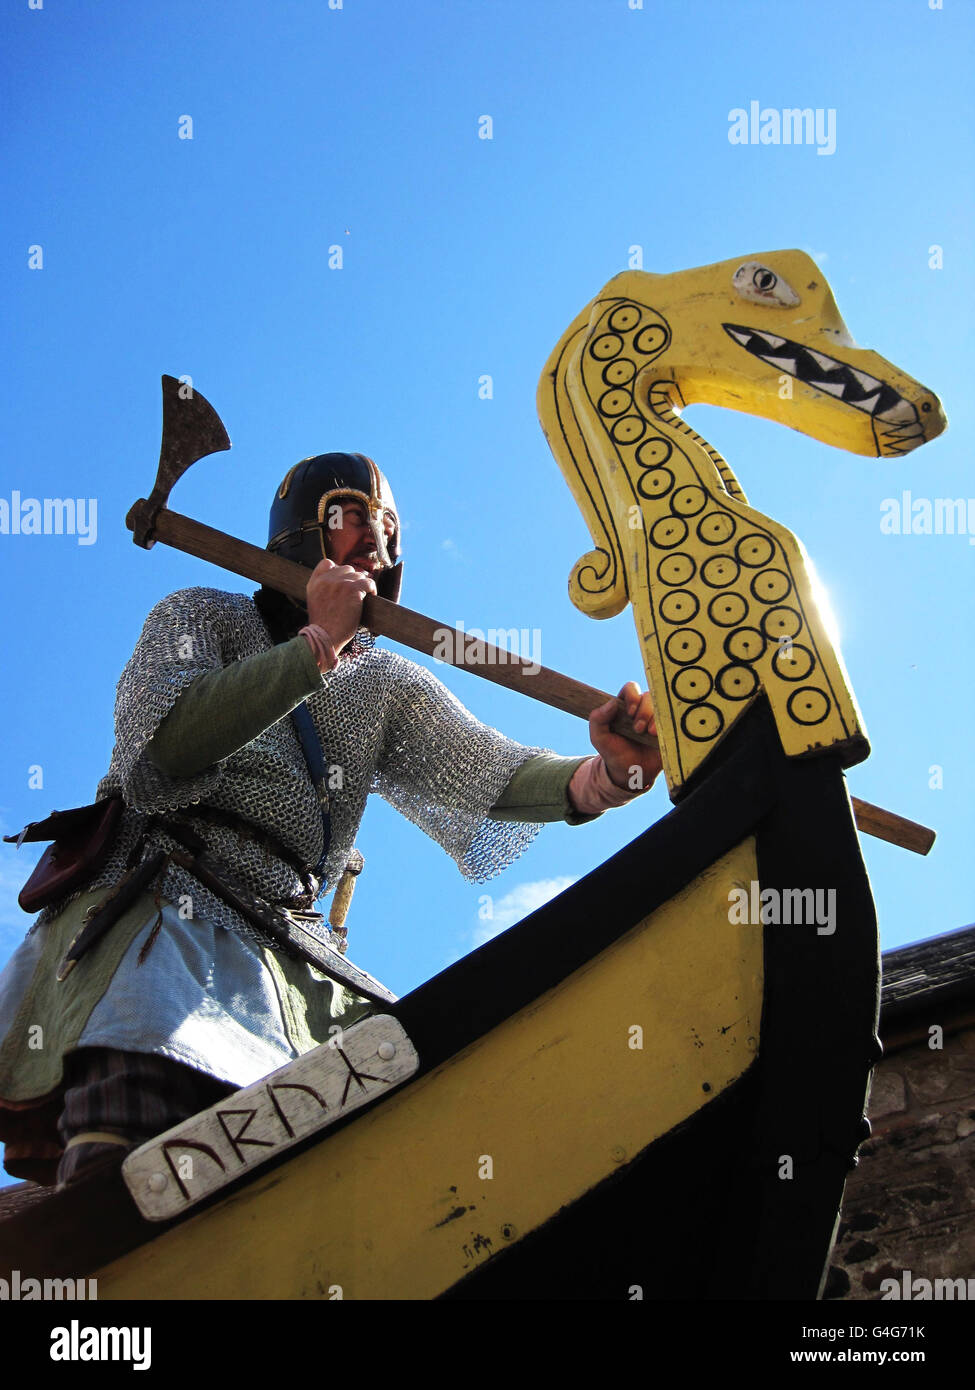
(757,283)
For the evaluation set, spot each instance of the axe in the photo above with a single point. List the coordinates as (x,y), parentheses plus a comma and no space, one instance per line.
(192,429)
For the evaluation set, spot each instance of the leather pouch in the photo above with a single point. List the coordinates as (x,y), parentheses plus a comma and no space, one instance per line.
(82,839)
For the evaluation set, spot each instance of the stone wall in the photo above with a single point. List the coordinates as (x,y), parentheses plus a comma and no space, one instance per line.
(910,1204)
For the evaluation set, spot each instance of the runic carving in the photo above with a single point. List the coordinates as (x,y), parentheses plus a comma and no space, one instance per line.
(173,1171)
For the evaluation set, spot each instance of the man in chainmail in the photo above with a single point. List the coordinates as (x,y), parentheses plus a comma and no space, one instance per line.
(186,998)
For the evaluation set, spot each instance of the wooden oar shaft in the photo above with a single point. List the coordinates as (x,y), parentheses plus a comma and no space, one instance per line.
(897,830)
(459,648)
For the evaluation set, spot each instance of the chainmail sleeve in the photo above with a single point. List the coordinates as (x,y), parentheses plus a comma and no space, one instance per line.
(444,770)
(187,635)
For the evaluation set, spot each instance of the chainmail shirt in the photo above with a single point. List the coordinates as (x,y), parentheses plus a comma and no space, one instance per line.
(385,725)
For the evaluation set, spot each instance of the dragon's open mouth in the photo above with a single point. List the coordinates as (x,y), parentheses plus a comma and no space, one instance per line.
(896,423)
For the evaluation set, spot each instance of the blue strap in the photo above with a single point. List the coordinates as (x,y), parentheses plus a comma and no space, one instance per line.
(312,749)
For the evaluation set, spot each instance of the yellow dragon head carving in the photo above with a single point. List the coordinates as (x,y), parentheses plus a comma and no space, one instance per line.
(721,594)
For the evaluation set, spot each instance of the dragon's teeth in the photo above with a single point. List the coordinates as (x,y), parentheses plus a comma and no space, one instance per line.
(769,338)
(900,413)
(869,383)
(835,388)
(828,364)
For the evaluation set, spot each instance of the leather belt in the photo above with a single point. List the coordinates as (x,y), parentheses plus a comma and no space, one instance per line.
(279,925)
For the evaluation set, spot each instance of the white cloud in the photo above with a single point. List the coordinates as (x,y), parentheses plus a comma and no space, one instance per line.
(451,549)
(511,908)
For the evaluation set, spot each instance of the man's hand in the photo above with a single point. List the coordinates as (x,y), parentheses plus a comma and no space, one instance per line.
(334,598)
(631,766)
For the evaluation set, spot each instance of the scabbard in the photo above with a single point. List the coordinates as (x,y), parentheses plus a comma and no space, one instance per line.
(278,925)
(105,914)
(282,926)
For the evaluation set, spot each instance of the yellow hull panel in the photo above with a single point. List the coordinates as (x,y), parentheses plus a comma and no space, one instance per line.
(399,1204)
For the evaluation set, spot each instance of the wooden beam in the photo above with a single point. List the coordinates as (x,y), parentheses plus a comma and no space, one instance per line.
(443,642)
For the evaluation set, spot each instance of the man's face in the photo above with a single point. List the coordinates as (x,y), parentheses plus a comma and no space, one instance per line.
(348,536)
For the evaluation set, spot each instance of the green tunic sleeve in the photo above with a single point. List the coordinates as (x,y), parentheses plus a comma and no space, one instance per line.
(539,791)
(223,710)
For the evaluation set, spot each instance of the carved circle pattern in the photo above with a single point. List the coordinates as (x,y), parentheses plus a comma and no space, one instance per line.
(781,622)
(716,528)
(623,319)
(629,429)
(744,644)
(736,682)
(727,610)
(679,606)
(688,501)
(771,586)
(607,345)
(807,705)
(668,532)
(653,452)
(615,402)
(754,550)
(650,339)
(656,482)
(719,571)
(685,646)
(793,663)
(676,569)
(693,683)
(618,373)
(702,723)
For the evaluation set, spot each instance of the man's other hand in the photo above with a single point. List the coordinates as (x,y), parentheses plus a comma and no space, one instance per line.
(631,766)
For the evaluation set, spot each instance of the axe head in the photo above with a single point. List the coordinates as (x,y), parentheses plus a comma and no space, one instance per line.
(191,430)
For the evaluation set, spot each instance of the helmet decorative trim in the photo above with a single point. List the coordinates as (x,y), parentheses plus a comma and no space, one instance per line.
(285,486)
(376,510)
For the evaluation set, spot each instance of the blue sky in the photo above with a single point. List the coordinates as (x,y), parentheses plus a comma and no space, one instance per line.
(357,127)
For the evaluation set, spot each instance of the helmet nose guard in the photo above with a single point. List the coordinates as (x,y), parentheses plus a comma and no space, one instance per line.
(300,512)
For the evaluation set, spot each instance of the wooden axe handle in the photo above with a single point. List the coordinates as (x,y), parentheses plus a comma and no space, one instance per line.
(442,641)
